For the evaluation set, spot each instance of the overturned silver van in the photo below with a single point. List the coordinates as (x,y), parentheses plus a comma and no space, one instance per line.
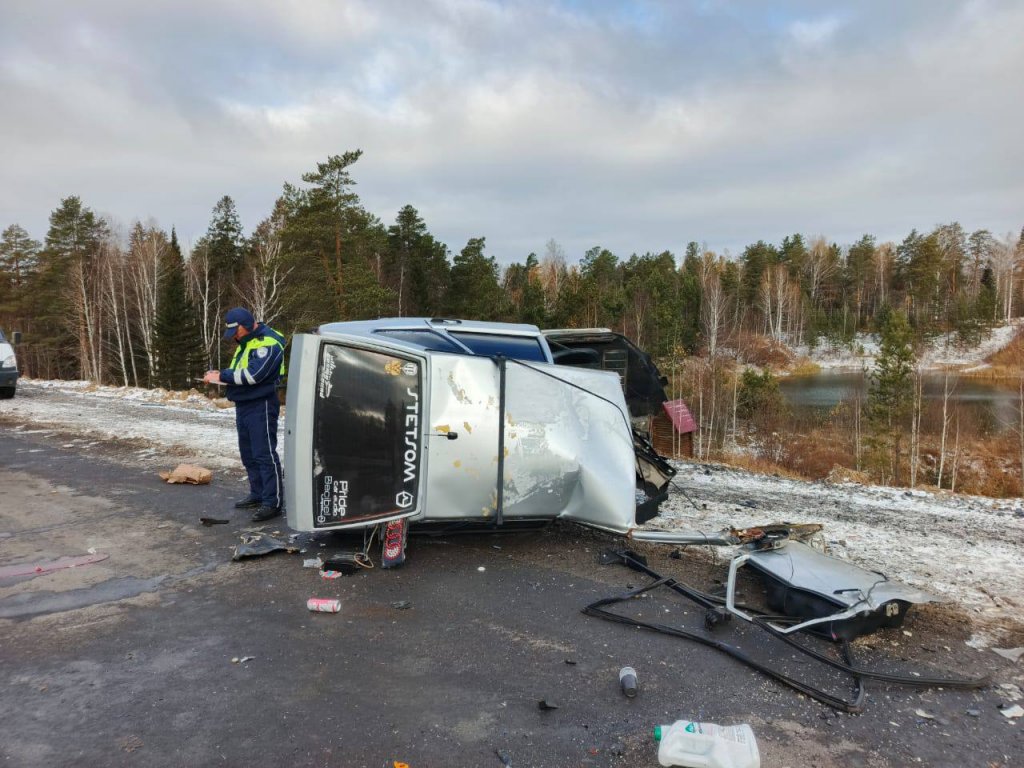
(440,420)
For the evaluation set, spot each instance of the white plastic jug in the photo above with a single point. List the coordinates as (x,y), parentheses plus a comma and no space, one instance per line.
(706,745)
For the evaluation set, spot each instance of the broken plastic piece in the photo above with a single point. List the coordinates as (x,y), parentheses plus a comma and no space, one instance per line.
(208,521)
(1013,712)
(544,704)
(259,544)
(393,546)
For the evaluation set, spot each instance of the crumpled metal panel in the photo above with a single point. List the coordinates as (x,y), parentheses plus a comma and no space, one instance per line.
(803,567)
(568,448)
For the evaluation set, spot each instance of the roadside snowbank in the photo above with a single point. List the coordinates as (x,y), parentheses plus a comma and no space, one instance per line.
(167,423)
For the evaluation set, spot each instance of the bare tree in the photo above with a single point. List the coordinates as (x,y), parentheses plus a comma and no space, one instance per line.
(947,392)
(205,296)
(713,303)
(819,267)
(552,271)
(915,425)
(147,257)
(774,298)
(956,455)
(264,273)
(885,255)
(1005,260)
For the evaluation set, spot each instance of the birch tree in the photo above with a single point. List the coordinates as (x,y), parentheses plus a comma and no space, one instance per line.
(265,274)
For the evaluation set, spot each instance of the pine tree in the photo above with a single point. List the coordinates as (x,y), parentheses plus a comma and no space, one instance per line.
(890,399)
(418,266)
(475,293)
(62,334)
(177,338)
(18,255)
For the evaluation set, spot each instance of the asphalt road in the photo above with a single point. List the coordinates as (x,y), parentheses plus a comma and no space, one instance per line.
(128,661)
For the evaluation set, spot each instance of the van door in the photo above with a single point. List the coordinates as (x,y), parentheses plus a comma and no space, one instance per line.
(354,433)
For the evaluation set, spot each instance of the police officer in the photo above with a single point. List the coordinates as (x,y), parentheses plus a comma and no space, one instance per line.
(252,379)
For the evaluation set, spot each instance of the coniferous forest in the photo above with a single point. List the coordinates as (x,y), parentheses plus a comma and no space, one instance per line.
(131,308)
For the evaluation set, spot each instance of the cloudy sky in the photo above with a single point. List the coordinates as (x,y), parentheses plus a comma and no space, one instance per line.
(637,126)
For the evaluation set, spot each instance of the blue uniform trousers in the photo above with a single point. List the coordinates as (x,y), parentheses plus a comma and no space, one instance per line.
(256,422)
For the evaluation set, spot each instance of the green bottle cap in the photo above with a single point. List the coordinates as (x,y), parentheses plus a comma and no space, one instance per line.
(657,733)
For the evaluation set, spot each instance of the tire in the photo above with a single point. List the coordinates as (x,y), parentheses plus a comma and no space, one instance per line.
(6,393)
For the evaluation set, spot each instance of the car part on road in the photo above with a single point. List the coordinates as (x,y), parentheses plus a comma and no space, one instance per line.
(832,596)
(259,544)
(769,624)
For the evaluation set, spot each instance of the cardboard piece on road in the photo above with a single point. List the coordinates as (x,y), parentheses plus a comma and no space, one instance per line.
(188,473)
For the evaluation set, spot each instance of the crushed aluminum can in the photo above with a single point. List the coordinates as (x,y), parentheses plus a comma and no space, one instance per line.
(323,605)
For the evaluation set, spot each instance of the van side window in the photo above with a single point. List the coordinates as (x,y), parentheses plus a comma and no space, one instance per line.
(490,344)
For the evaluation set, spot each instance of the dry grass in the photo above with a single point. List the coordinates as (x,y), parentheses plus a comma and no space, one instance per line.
(759,464)
(1010,356)
(987,465)
(804,367)
(764,352)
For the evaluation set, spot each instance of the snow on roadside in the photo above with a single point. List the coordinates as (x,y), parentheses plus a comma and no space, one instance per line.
(940,352)
(167,422)
(965,549)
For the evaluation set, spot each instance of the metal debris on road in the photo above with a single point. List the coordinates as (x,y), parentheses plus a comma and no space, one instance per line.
(1011,654)
(208,521)
(259,544)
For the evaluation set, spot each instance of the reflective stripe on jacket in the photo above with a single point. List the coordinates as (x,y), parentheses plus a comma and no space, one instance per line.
(257,366)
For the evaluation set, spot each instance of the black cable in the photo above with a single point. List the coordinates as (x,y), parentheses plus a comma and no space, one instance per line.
(597,609)
(762,620)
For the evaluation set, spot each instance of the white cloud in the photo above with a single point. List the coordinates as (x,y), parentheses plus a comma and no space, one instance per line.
(815,33)
(523,122)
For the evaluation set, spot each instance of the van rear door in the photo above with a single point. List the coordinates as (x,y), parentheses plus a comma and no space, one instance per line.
(354,433)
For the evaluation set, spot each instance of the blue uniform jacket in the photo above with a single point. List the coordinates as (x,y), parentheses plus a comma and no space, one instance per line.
(256,366)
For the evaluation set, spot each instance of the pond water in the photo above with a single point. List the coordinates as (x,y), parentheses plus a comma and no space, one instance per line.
(992,405)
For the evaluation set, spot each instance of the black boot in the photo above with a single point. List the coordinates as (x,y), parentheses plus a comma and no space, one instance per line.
(265,513)
(249,502)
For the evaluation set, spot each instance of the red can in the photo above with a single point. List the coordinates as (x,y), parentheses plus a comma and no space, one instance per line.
(323,605)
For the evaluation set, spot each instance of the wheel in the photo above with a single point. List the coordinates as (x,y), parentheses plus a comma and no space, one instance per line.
(6,393)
